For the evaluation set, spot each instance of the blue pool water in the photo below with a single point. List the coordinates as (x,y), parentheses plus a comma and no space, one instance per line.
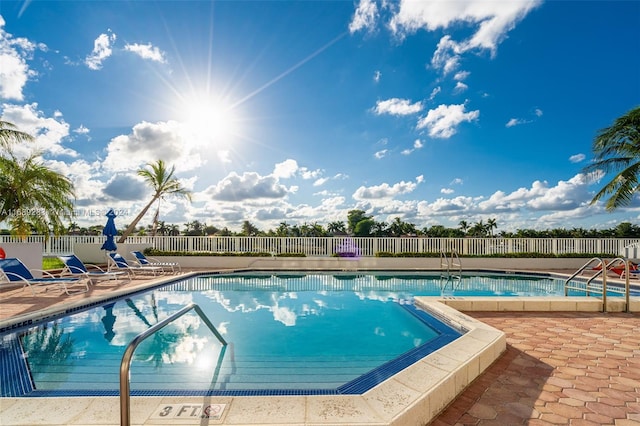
(287,333)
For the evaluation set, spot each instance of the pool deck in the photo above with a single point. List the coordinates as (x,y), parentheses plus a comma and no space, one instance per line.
(569,367)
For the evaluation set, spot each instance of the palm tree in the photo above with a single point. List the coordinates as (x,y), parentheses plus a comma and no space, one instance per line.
(9,134)
(464,226)
(336,227)
(163,183)
(33,197)
(491,224)
(617,150)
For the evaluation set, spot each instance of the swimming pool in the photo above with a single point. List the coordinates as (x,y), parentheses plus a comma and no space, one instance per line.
(289,333)
(286,336)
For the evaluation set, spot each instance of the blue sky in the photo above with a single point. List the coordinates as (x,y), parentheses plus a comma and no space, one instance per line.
(297,112)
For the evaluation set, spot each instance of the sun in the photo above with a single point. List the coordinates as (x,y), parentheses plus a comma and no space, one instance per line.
(211,121)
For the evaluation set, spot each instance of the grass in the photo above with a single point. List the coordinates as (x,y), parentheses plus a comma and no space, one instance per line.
(51,263)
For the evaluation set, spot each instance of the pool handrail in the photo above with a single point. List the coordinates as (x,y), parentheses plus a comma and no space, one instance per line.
(449,262)
(604,267)
(125,365)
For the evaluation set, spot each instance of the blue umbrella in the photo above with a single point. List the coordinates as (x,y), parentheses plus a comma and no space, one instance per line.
(110,231)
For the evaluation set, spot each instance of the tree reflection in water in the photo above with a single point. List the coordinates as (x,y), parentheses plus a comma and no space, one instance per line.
(161,347)
(48,345)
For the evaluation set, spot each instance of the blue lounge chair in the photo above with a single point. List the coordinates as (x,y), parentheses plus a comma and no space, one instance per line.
(73,266)
(119,263)
(143,260)
(15,271)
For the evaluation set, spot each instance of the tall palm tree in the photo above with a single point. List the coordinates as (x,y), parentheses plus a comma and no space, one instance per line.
(32,196)
(491,225)
(617,150)
(464,226)
(336,227)
(9,134)
(161,179)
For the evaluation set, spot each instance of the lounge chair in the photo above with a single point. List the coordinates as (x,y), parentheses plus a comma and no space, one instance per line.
(73,266)
(143,260)
(634,272)
(16,272)
(119,263)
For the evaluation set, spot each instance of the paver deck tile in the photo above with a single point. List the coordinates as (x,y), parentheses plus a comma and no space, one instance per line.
(572,370)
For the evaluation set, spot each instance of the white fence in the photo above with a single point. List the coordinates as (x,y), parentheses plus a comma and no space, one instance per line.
(361,246)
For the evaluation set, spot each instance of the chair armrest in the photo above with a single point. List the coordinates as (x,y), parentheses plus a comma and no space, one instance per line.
(20,277)
(46,274)
(91,265)
(70,269)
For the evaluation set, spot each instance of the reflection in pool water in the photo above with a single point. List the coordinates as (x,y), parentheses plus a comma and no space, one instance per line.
(286,333)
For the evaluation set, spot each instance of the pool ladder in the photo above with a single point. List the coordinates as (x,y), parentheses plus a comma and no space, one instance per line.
(602,268)
(447,264)
(125,365)
(450,262)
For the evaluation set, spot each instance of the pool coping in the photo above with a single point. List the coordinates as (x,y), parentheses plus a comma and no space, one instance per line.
(414,395)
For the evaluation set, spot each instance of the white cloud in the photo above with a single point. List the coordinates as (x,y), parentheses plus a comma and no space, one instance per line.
(515,122)
(461,75)
(447,55)
(377,76)
(286,169)
(381,154)
(434,92)
(248,186)
(566,195)
(101,50)
(457,204)
(577,158)
(320,181)
(150,141)
(460,87)
(447,191)
(417,144)
(224,155)
(365,16)
(384,191)
(49,132)
(457,181)
(490,22)
(146,51)
(81,130)
(306,174)
(14,71)
(395,106)
(442,121)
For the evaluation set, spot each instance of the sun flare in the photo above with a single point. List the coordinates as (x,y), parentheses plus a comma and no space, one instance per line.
(212,122)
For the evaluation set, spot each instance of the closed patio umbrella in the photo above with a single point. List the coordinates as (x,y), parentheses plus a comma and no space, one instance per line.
(110,232)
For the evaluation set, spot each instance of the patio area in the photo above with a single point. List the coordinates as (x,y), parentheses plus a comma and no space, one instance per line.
(559,368)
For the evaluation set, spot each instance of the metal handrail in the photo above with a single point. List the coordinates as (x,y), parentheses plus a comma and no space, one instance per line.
(604,269)
(444,261)
(450,262)
(587,289)
(456,262)
(125,365)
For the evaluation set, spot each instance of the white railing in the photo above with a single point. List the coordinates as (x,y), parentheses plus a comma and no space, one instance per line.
(360,246)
